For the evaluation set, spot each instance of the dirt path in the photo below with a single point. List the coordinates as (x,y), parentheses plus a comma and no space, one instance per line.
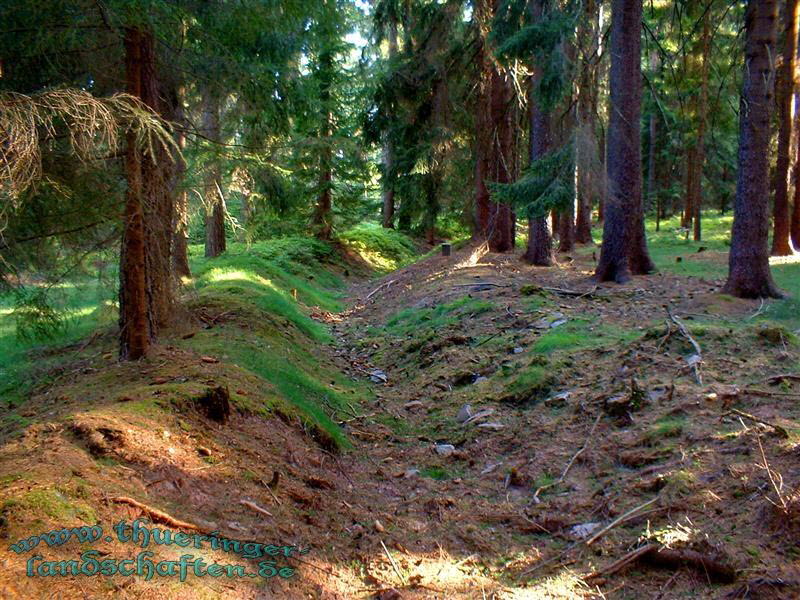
(489,388)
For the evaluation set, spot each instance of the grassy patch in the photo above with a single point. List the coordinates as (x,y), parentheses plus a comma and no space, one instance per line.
(411,320)
(384,249)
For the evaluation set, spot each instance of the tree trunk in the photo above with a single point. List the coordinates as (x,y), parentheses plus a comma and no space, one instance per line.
(134,318)
(540,244)
(160,173)
(494,138)
(212,188)
(586,147)
(749,275)
(566,215)
(322,219)
(388,149)
(624,251)
(702,115)
(180,238)
(501,159)
(782,227)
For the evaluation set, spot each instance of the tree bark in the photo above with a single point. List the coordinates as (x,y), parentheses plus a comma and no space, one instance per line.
(540,243)
(495,158)
(624,251)
(702,115)
(212,188)
(180,239)
(388,149)
(322,219)
(749,275)
(781,245)
(134,317)
(586,147)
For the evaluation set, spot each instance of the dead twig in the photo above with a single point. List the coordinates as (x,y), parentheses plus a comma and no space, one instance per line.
(379,288)
(394,564)
(623,562)
(569,464)
(775,478)
(715,570)
(485,283)
(778,429)
(618,521)
(571,293)
(779,378)
(685,332)
(155,514)
(255,507)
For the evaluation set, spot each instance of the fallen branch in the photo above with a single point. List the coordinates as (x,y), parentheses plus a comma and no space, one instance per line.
(623,562)
(394,564)
(569,464)
(685,332)
(483,284)
(255,507)
(571,293)
(776,479)
(618,520)
(715,569)
(379,288)
(778,429)
(768,394)
(669,558)
(758,312)
(155,514)
(779,378)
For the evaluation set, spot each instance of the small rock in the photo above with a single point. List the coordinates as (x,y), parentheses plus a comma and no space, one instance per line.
(378,526)
(518,350)
(445,449)
(411,473)
(557,400)
(464,414)
(557,323)
(584,530)
(378,376)
(480,379)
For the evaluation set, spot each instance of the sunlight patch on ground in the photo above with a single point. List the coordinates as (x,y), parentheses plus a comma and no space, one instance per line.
(216,275)
(473,259)
(785,260)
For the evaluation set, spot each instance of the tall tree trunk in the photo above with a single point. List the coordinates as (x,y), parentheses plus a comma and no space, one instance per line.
(180,238)
(782,227)
(540,243)
(134,317)
(388,149)
(586,146)
(501,160)
(322,219)
(651,159)
(161,177)
(624,251)
(566,215)
(212,188)
(495,139)
(702,115)
(749,275)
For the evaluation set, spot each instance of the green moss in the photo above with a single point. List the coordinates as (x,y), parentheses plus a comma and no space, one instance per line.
(530,385)
(384,249)
(418,321)
(53,503)
(435,472)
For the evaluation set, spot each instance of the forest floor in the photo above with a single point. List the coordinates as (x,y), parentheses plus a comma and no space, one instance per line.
(489,429)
